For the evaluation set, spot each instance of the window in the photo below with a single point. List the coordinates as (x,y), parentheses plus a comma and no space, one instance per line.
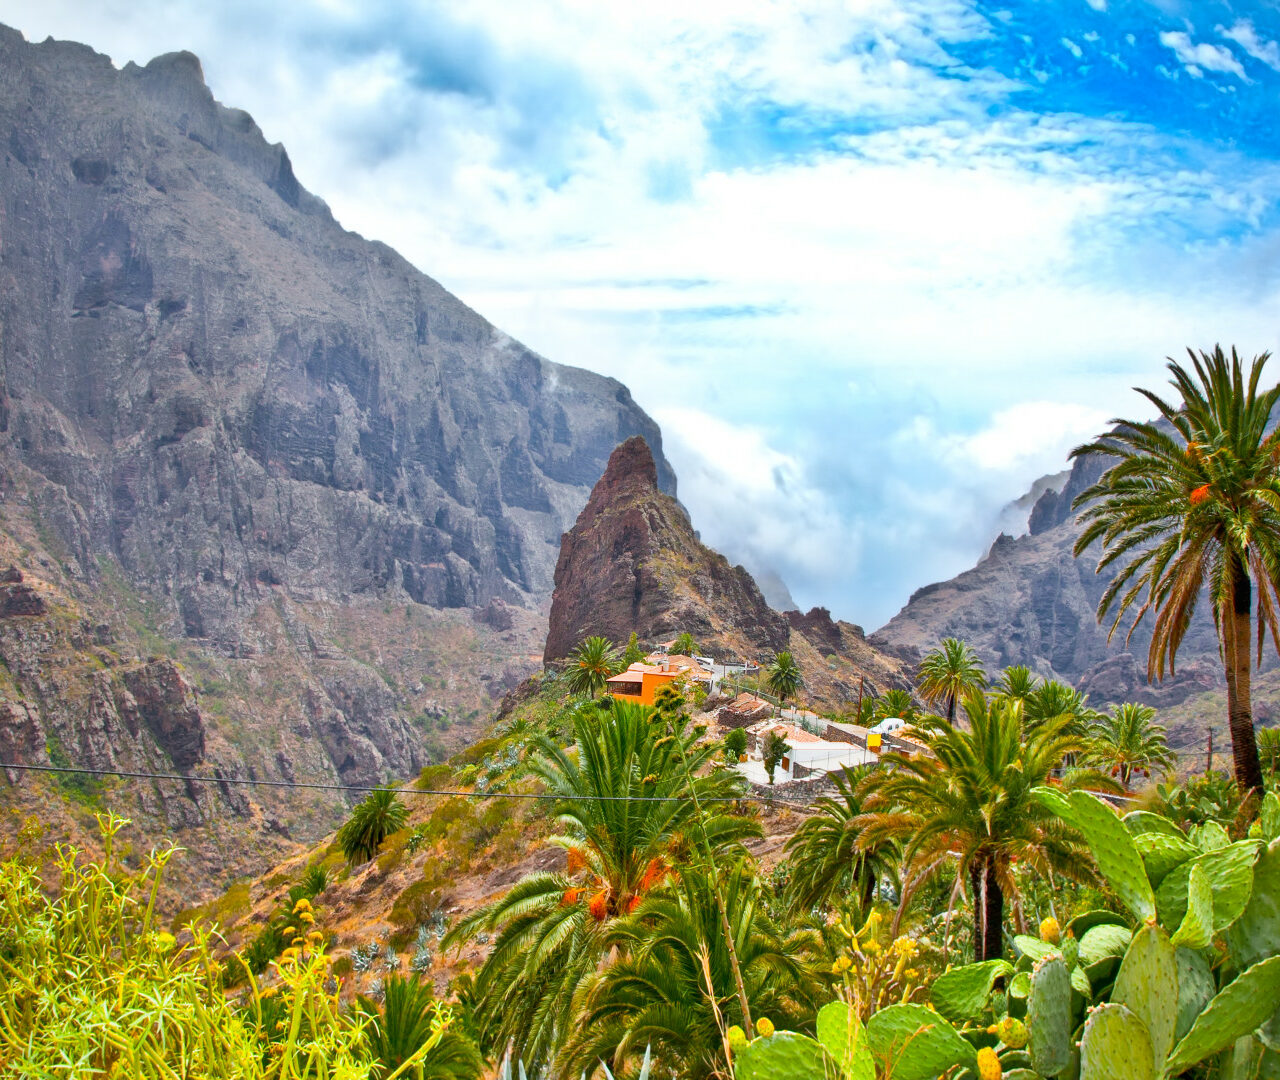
(630,689)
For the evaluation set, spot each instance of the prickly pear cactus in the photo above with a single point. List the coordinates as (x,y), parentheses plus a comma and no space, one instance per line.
(1116,853)
(1049,1017)
(1196,930)
(842,1036)
(1147,986)
(1116,1046)
(784,1055)
(1256,934)
(911,1042)
(1242,1006)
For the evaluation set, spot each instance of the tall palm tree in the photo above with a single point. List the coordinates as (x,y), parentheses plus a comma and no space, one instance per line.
(783,677)
(1195,510)
(591,665)
(970,805)
(826,861)
(628,823)
(674,989)
(895,703)
(949,672)
(684,645)
(1127,742)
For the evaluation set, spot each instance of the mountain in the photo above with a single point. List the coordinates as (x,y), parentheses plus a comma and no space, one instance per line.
(235,434)
(633,563)
(1030,601)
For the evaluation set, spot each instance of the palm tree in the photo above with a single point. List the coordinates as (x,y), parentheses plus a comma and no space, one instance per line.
(970,804)
(1016,683)
(409,1017)
(949,672)
(371,822)
(1051,701)
(895,703)
(674,989)
(783,677)
(1269,749)
(591,665)
(684,645)
(826,861)
(1127,742)
(628,822)
(1194,510)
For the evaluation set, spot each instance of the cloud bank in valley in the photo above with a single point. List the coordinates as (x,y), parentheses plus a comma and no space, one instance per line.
(875,266)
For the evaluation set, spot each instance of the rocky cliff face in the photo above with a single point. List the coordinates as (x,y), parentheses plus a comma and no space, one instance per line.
(1031,602)
(242,435)
(632,562)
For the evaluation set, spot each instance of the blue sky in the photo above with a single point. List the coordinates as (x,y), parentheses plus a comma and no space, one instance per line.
(874,266)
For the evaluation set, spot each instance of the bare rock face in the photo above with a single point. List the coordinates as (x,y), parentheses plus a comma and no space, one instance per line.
(236,394)
(633,563)
(166,703)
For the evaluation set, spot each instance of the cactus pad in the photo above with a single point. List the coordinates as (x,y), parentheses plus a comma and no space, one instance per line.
(1195,988)
(1143,821)
(1256,934)
(1148,987)
(1161,853)
(1244,1004)
(1196,930)
(785,1055)
(1049,1017)
(911,1042)
(842,1036)
(1117,855)
(962,992)
(1103,941)
(1230,874)
(1116,1046)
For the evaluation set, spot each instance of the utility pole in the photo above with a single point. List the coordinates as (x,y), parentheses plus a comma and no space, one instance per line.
(862,682)
(1208,764)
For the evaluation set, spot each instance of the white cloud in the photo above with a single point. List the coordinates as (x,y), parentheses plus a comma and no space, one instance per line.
(1072,48)
(1243,34)
(1202,56)
(1097,5)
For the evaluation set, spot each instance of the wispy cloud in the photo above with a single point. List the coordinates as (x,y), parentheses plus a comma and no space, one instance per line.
(1200,57)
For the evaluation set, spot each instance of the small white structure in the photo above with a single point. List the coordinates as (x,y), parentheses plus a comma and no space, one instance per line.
(888,725)
(808,757)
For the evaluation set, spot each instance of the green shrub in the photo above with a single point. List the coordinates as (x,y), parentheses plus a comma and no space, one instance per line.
(433,777)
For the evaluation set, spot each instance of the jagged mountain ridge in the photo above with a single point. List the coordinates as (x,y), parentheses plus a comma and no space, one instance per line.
(235,433)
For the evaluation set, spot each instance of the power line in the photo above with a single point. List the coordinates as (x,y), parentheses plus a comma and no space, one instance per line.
(539,796)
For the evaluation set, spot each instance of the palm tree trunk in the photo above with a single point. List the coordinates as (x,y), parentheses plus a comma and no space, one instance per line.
(951,707)
(988,912)
(1238,663)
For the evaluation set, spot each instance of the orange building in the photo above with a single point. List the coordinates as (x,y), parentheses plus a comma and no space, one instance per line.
(640,683)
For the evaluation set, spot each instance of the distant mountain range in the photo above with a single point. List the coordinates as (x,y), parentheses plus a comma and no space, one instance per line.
(1030,601)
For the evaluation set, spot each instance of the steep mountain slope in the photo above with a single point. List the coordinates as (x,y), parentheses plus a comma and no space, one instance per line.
(271,447)
(633,563)
(1029,601)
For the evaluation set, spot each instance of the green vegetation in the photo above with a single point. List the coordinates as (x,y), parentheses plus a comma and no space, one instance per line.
(783,677)
(91,986)
(950,672)
(371,822)
(591,665)
(409,1019)
(735,744)
(1129,741)
(775,749)
(684,645)
(1194,511)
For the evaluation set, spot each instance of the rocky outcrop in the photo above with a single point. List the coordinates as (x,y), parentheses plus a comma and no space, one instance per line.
(159,695)
(632,563)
